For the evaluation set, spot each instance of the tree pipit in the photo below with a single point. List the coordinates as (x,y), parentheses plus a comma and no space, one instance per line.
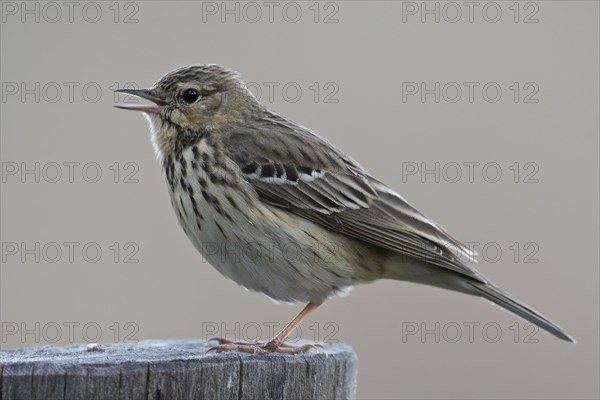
(281,211)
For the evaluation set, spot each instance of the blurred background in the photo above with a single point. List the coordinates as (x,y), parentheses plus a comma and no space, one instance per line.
(482,115)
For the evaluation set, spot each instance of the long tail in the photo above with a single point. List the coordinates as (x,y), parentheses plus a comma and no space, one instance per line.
(496,296)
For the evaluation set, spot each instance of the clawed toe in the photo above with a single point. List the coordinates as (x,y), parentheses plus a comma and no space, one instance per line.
(226,341)
(261,348)
(244,348)
(275,345)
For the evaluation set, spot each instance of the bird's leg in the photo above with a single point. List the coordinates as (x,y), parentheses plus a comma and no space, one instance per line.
(278,340)
(274,345)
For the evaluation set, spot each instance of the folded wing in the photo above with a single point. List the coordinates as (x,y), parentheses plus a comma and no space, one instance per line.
(292,168)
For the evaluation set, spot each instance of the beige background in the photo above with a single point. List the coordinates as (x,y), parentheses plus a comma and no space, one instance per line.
(367,54)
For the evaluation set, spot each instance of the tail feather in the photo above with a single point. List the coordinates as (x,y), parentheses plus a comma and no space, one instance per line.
(500,298)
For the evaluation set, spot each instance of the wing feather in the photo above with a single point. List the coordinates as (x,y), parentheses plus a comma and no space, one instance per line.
(311,178)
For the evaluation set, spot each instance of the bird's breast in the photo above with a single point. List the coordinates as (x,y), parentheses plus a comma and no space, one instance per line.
(258,246)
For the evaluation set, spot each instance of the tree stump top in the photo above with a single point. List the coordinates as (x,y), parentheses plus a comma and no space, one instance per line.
(174,369)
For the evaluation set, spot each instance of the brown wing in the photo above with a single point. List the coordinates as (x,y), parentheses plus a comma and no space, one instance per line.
(290,167)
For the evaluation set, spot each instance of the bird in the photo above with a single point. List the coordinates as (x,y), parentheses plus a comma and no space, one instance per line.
(280,210)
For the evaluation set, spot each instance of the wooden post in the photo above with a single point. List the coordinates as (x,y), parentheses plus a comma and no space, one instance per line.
(174,369)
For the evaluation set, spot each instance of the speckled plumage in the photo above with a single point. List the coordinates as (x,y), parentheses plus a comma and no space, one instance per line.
(243,177)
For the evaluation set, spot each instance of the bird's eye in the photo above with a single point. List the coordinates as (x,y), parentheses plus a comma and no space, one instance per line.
(190,95)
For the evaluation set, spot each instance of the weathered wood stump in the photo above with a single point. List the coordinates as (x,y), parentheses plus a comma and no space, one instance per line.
(175,369)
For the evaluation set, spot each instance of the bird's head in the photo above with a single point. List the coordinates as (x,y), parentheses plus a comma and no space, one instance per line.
(190,102)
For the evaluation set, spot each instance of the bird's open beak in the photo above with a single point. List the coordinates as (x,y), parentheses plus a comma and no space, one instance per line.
(144,94)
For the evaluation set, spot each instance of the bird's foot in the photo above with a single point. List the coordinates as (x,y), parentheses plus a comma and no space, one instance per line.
(261,348)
